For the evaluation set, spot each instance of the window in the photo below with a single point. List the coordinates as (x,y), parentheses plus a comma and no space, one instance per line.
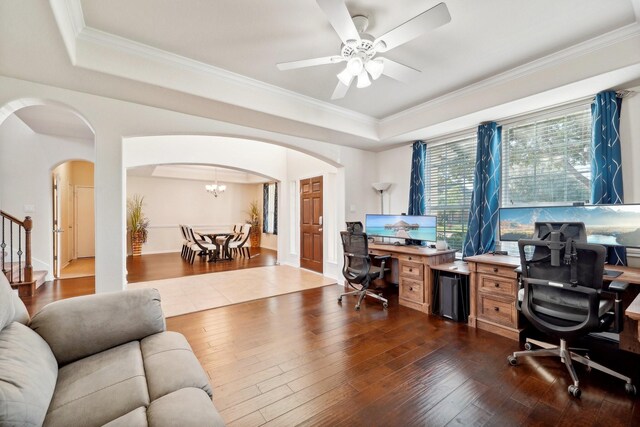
(547,160)
(449,174)
(270,208)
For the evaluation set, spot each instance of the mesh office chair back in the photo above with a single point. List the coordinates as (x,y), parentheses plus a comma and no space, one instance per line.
(563,300)
(357,263)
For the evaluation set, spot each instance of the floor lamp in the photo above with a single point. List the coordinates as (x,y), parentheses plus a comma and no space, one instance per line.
(381,187)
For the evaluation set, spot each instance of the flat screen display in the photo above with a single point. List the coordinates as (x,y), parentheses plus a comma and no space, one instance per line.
(610,225)
(415,227)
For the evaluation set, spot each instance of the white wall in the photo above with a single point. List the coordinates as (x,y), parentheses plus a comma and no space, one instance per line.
(395,167)
(169,202)
(26,163)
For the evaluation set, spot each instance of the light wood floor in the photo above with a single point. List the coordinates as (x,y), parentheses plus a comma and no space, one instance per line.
(304,359)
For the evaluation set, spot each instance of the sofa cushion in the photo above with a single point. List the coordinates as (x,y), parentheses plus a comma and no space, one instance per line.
(135,418)
(28,373)
(100,388)
(188,407)
(21,314)
(171,365)
(79,327)
(7,311)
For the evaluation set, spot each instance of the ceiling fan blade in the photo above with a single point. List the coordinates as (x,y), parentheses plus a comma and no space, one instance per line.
(341,90)
(309,62)
(426,21)
(340,19)
(398,71)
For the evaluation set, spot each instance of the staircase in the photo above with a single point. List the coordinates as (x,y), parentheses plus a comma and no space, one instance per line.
(15,254)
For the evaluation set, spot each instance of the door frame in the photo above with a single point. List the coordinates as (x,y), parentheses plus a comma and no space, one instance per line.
(56,211)
(75,218)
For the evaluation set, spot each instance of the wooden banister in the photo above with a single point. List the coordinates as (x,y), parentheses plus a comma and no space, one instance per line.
(18,233)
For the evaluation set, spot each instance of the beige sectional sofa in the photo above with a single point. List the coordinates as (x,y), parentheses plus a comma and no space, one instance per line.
(98,360)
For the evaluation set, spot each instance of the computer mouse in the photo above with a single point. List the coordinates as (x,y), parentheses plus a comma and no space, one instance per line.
(396,243)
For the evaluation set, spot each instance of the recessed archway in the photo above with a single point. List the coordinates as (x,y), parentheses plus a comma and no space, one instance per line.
(276,163)
(42,134)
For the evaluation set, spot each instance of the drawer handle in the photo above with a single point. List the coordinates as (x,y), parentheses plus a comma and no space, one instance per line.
(496,308)
(410,258)
(495,269)
(411,270)
(410,288)
(497,285)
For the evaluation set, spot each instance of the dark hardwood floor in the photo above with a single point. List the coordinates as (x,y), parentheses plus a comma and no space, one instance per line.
(143,268)
(304,359)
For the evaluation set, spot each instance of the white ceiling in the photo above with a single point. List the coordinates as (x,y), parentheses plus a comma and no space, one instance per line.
(197,173)
(249,37)
(216,60)
(55,121)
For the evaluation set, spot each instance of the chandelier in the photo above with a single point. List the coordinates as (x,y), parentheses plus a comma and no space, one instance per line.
(215,189)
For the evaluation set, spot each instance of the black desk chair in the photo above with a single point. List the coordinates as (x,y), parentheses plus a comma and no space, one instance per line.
(563,297)
(358,270)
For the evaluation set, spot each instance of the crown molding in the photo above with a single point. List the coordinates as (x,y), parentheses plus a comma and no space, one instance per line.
(554,59)
(111,54)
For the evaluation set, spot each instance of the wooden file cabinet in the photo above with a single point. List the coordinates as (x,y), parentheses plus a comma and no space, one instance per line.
(411,270)
(494,295)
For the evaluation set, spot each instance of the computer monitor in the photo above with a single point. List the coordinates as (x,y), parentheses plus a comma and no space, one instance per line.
(609,225)
(413,227)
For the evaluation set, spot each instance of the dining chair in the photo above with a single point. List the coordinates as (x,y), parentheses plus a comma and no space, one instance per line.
(199,247)
(239,246)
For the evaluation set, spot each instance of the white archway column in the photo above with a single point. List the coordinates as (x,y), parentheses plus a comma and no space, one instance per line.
(110,212)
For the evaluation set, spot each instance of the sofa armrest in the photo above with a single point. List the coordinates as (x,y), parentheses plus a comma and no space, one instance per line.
(79,327)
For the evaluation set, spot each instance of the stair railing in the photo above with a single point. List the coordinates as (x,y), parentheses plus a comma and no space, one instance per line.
(16,247)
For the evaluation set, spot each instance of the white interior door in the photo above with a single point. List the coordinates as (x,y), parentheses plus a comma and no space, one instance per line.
(85,222)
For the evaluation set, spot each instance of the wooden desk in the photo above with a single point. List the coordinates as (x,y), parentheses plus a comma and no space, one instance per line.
(415,279)
(494,292)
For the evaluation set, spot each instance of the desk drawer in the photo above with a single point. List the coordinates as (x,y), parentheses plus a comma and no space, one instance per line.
(498,310)
(413,258)
(497,285)
(412,290)
(411,270)
(377,252)
(497,270)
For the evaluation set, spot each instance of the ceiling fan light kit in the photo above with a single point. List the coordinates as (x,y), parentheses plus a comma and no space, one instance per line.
(359,49)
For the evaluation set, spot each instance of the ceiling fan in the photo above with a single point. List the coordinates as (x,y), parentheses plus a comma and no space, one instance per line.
(359,49)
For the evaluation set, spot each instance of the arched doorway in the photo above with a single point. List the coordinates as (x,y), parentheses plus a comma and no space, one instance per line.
(42,135)
(73,220)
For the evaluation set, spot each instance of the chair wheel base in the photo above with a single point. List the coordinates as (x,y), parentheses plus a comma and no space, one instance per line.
(339,299)
(513,361)
(357,308)
(574,391)
(630,389)
(527,346)
(385,305)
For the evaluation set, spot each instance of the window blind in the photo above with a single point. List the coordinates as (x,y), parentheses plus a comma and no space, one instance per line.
(449,171)
(547,160)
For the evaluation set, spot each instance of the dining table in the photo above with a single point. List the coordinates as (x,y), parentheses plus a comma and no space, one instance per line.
(222,252)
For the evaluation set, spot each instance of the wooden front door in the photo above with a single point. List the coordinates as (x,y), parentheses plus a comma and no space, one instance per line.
(311,224)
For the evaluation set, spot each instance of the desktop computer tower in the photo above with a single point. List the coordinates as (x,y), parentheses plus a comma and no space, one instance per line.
(451,298)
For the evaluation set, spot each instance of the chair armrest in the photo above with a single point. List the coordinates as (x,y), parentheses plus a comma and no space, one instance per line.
(382,257)
(79,327)
(617,286)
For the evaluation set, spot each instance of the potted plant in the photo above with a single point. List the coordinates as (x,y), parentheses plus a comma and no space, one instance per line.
(254,220)
(138,224)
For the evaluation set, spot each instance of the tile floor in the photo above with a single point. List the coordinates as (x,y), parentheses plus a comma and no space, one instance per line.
(195,293)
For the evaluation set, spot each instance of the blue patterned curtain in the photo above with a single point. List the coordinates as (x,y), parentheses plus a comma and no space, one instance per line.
(265,207)
(417,201)
(275,208)
(606,158)
(485,200)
